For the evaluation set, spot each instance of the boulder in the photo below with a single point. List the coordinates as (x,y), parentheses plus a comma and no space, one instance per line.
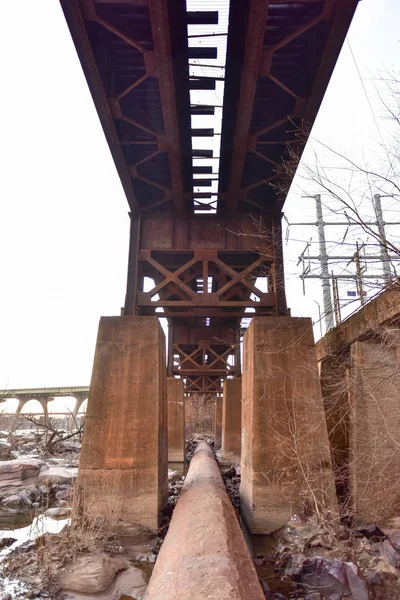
(57,474)
(20,500)
(92,573)
(63,495)
(330,577)
(5,542)
(129,584)
(63,512)
(372,532)
(390,553)
(18,473)
(5,452)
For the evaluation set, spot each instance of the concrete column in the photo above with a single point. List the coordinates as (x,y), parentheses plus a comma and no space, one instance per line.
(374,436)
(123,465)
(286,466)
(217,429)
(73,420)
(44,401)
(232,419)
(21,403)
(176,420)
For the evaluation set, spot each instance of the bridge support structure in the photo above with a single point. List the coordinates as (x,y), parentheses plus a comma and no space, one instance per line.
(218,421)
(360,377)
(176,420)
(214,258)
(206,272)
(286,465)
(123,466)
(232,420)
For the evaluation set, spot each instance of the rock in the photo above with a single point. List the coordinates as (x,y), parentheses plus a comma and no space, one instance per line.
(313,596)
(6,541)
(56,474)
(63,512)
(25,547)
(332,576)
(17,500)
(390,553)
(371,532)
(394,537)
(229,473)
(146,557)
(129,584)
(384,567)
(373,578)
(294,567)
(92,573)
(5,452)
(173,476)
(18,472)
(62,495)
(6,597)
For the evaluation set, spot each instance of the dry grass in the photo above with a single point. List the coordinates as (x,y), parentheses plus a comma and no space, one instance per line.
(87,532)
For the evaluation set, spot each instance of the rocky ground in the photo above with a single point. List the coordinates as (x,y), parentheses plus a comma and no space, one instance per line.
(311,558)
(316,559)
(82,561)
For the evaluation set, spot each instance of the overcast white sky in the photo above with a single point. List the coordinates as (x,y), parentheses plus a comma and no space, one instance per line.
(64,237)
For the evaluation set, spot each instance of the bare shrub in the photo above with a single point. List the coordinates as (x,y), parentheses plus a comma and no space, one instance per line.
(361,397)
(91,528)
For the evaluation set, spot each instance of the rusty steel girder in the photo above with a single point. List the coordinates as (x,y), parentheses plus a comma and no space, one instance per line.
(207,273)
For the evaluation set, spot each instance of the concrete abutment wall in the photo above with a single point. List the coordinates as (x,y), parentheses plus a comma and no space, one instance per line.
(360,377)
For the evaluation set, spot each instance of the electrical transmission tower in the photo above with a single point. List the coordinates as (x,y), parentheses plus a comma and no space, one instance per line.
(331,297)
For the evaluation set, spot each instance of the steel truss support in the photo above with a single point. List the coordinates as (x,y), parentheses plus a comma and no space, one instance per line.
(204,274)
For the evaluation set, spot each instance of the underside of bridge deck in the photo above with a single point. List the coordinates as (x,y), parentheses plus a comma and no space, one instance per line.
(214,258)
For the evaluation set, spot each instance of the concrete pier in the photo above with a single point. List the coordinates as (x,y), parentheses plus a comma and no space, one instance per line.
(374,434)
(204,554)
(286,465)
(218,421)
(232,419)
(176,420)
(123,465)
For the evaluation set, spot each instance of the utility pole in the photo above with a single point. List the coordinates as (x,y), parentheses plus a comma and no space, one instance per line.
(382,234)
(326,286)
(333,310)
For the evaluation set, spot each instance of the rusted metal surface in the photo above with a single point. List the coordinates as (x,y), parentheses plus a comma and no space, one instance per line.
(135,57)
(127,56)
(208,270)
(279,60)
